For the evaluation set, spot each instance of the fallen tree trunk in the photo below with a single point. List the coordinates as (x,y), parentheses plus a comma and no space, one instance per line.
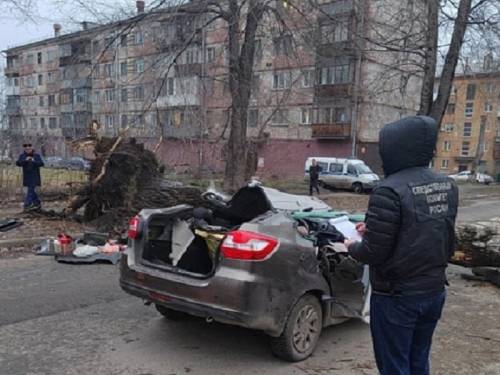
(478,244)
(125,178)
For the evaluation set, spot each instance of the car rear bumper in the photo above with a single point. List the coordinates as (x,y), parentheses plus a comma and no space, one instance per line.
(232,300)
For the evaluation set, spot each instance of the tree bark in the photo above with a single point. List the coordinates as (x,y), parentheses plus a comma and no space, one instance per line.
(451,61)
(426,96)
(241,63)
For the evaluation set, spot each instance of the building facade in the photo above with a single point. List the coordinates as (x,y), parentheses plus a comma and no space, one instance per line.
(469,137)
(163,76)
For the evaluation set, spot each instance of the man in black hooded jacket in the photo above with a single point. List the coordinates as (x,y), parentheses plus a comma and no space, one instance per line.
(408,239)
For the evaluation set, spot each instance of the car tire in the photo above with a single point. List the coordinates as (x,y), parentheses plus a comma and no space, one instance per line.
(357,188)
(171,314)
(302,331)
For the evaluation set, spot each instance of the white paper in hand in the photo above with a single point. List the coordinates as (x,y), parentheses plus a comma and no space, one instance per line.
(346,227)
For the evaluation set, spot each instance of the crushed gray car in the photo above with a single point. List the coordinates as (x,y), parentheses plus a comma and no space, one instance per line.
(261,260)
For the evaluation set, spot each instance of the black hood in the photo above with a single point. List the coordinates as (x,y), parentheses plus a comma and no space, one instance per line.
(407,143)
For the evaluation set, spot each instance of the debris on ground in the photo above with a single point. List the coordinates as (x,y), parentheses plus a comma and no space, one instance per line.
(9,224)
(478,244)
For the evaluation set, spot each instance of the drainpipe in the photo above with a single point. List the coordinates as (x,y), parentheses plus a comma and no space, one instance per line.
(357,79)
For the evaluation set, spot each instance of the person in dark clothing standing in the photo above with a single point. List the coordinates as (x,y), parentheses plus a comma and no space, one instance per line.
(408,238)
(314,171)
(31,163)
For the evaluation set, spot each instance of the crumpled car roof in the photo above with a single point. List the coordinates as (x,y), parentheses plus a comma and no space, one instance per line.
(292,202)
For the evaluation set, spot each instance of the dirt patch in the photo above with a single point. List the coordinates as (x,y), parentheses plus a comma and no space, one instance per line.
(349,202)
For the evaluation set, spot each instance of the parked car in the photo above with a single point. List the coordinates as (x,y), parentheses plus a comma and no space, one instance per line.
(350,174)
(245,262)
(78,163)
(53,162)
(468,176)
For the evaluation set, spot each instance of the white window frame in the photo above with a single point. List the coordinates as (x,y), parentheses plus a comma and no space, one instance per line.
(306,116)
(283,117)
(282,80)
(445,164)
(488,107)
(469,109)
(469,128)
(308,78)
(447,146)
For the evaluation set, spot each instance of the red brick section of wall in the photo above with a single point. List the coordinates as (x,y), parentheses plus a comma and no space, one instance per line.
(279,158)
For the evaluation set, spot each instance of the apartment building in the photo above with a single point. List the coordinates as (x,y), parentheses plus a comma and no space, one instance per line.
(163,76)
(469,137)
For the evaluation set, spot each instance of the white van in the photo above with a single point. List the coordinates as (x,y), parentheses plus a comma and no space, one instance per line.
(351,174)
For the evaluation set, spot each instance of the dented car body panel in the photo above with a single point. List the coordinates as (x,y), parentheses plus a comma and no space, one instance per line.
(252,294)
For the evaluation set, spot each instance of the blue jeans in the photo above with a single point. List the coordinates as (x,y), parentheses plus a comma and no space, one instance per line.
(31,197)
(402,329)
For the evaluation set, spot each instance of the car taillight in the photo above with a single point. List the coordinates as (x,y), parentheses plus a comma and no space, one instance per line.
(133,228)
(243,245)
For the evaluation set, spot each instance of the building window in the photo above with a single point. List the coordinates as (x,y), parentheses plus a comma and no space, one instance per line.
(258,50)
(52,100)
(170,86)
(253,118)
(469,109)
(337,31)
(283,45)
(42,123)
(139,65)
(124,40)
(471,92)
(81,96)
(191,56)
(332,115)
(210,55)
(53,123)
(65,50)
(97,97)
(109,70)
(110,95)
(41,101)
(280,117)
(66,97)
(139,93)
(124,121)
(40,79)
(448,128)
(30,59)
(444,164)
(447,146)
(124,68)
(96,47)
(255,83)
(282,80)
(308,78)
(490,88)
(33,123)
(335,74)
(124,95)
(450,109)
(467,129)
(139,38)
(306,116)
(39,59)
(488,107)
(110,121)
(465,148)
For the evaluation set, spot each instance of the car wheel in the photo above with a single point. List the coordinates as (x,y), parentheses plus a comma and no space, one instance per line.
(171,314)
(357,188)
(302,331)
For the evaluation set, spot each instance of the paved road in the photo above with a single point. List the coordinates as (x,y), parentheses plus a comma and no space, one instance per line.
(60,319)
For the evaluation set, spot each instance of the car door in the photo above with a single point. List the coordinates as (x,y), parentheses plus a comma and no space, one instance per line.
(350,176)
(351,289)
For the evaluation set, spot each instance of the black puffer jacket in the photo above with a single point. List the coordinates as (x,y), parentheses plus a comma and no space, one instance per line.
(411,215)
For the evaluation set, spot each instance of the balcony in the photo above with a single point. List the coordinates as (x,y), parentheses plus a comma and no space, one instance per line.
(12,70)
(336,90)
(465,158)
(331,131)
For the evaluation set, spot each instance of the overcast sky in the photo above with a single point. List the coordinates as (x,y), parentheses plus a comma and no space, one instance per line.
(16,29)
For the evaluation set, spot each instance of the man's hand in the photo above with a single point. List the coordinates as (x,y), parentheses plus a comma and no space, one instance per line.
(339,247)
(361,228)
(29,158)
